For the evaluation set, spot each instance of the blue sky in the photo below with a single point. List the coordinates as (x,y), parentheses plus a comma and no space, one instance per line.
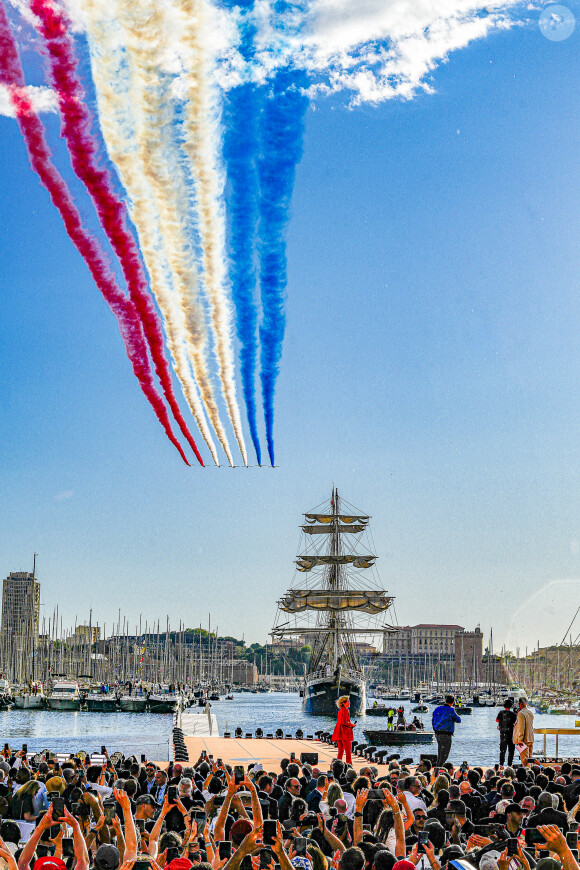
(430,371)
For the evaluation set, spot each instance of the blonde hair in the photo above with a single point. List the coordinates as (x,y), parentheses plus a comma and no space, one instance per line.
(342,700)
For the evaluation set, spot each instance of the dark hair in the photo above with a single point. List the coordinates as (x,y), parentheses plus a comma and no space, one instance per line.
(293,769)
(385,823)
(319,862)
(449,699)
(93,772)
(215,785)
(264,782)
(10,832)
(384,860)
(360,782)
(508,703)
(284,762)
(170,840)
(352,859)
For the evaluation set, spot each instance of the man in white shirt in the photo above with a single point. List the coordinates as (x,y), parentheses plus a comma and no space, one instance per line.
(412,791)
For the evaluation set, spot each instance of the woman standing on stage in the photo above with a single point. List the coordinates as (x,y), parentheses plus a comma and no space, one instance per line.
(344,727)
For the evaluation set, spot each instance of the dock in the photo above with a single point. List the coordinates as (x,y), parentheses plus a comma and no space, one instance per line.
(268,751)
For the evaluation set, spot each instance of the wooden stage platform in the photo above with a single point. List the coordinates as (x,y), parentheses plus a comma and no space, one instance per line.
(269,752)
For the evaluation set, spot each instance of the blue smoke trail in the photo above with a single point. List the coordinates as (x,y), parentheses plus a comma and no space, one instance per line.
(282,131)
(240,149)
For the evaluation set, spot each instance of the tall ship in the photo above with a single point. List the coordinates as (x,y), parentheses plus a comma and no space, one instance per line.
(338,598)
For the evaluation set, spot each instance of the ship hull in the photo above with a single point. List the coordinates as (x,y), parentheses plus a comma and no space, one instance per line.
(133,705)
(68,704)
(29,702)
(101,705)
(321,696)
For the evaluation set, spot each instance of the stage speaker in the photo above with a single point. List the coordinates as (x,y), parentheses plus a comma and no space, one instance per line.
(309,758)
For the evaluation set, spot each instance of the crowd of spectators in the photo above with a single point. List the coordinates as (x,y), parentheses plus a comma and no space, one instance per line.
(124,812)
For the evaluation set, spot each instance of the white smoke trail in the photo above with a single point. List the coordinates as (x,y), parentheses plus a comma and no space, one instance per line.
(165,250)
(201,143)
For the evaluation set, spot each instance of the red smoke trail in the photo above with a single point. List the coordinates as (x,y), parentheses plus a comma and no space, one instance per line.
(11,75)
(76,127)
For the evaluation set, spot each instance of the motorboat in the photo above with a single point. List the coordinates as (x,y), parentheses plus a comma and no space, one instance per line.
(133,703)
(383,737)
(30,699)
(101,702)
(65,695)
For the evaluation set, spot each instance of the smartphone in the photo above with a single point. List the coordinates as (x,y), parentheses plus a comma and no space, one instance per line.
(269,832)
(140,825)
(57,809)
(6,748)
(533,836)
(265,810)
(225,849)
(204,753)
(220,762)
(109,811)
(422,840)
(512,846)
(143,758)
(300,846)
(84,810)
(103,750)
(67,847)
(142,865)
(25,747)
(292,756)
(199,816)
(172,794)
(239,774)
(330,776)
(572,839)
(265,858)
(210,756)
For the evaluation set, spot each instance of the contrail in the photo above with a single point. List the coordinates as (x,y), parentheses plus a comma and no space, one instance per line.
(11,75)
(282,131)
(133,135)
(201,124)
(159,160)
(240,150)
(76,128)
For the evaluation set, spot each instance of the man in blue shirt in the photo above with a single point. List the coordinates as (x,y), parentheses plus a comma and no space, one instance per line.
(444,719)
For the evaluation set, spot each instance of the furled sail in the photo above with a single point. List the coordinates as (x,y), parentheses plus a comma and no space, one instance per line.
(328,518)
(307,563)
(364,601)
(326,530)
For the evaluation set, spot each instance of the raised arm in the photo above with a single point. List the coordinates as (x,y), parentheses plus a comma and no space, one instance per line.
(360,800)
(80,847)
(256,808)
(219,829)
(122,799)
(333,841)
(154,835)
(30,847)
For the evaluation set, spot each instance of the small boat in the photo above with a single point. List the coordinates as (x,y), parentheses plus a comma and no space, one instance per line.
(214,697)
(133,703)
(65,695)
(382,737)
(101,702)
(377,710)
(463,710)
(229,698)
(420,708)
(163,703)
(26,699)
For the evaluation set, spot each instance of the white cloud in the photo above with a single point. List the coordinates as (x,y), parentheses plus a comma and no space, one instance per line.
(372,49)
(42,100)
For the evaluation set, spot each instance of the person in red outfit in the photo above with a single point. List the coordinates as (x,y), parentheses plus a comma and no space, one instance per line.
(343,731)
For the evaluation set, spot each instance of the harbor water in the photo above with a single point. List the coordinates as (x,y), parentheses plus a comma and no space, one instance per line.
(476,738)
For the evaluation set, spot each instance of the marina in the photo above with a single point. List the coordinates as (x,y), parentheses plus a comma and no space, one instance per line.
(475,738)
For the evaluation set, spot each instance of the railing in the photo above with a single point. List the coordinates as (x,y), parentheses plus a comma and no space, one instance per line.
(557,732)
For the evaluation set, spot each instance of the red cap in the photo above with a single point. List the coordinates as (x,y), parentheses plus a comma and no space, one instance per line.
(49,863)
(179,864)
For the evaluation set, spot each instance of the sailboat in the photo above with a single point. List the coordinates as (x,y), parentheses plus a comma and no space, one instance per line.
(338,601)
